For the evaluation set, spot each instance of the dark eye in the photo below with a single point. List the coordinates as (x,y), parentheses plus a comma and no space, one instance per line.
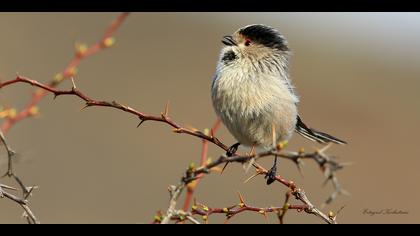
(248,42)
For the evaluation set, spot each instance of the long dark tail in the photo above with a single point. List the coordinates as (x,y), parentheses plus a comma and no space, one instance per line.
(314,135)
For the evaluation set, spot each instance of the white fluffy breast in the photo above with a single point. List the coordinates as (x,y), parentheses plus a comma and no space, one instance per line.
(250,102)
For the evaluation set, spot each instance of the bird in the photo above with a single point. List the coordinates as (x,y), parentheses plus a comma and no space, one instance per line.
(253,95)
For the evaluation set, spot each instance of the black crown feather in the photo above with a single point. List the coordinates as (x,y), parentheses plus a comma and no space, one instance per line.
(266,36)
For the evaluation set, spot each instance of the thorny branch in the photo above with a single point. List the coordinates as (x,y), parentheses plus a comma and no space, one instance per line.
(26,191)
(199,209)
(193,175)
(204,211)
(11,116)
(82,52)
(193,185)
(89,102)
(325,162)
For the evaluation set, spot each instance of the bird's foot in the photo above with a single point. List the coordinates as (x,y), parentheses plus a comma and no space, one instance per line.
(232,150)
(272,173)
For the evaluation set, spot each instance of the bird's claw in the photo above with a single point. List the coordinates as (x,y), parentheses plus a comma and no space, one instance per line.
(271,175)
(232,150)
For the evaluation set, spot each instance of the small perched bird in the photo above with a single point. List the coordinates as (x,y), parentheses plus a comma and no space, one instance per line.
(252,91)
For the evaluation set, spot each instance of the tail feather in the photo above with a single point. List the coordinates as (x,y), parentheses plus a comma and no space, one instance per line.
(315,135)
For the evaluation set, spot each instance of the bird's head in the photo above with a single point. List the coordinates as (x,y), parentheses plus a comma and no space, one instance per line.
(254,42)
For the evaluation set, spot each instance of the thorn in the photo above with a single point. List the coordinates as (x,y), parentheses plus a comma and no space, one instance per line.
(299,167)
(166,109)
(253,176)
(74,84)
(85,106)
(241,198)
(323,149)
(8,187)
(224,167)
(141,122)
(248,165)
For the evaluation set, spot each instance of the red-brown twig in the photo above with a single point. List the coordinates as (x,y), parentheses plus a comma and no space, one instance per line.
(193,175)
(82,53)
(11,117)
(204,211)
(298,193)
(193,185)
(180,216)
(196,173)
(89,102)
(230,212)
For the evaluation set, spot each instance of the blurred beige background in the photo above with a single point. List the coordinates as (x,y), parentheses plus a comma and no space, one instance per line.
(357,75)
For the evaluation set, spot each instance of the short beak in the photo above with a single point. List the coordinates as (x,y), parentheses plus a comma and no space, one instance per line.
(229,41)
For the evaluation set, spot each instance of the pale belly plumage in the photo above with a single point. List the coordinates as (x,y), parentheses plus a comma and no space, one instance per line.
(250,107)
